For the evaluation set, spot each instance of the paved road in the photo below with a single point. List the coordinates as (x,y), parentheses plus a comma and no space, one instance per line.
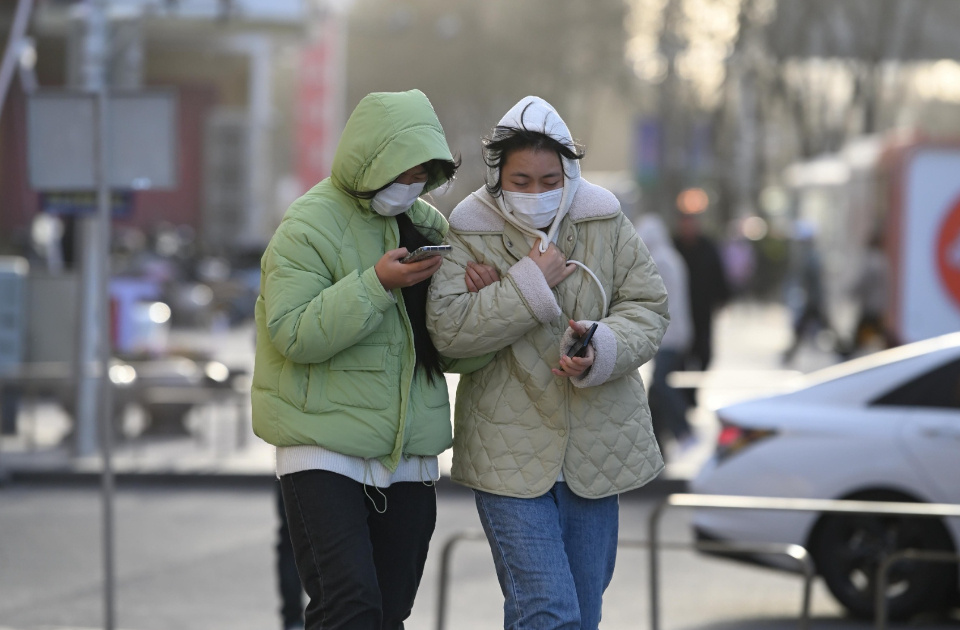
(200,557)
(195,557)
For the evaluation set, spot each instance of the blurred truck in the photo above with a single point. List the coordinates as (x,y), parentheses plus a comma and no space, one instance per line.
(906,191)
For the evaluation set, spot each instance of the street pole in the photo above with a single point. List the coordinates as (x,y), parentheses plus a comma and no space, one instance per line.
(89,331)
(104,393)
(93,391)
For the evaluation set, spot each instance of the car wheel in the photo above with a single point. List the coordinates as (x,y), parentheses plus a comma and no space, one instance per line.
(849,549)
(167,419)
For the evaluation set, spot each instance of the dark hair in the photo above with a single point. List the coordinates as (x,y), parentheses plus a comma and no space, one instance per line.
(437,171)
(505,140)
(415,300)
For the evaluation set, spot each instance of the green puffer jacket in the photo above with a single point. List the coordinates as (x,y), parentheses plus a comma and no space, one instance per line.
(516,425)
(335,356)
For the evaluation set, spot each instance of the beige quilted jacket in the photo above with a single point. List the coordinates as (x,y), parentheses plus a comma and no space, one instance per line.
(516,425)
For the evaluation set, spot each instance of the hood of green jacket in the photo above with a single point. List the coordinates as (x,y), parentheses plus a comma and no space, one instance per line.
(388,133)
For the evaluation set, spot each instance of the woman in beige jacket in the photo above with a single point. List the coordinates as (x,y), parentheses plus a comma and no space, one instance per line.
(548,441)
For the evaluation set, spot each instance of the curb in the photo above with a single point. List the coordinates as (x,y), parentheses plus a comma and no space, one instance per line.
(136,479)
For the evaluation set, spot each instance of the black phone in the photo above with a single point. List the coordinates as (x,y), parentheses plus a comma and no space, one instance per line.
(426,252)
(579,347)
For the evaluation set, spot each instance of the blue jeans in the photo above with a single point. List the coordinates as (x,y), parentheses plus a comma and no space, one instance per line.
(554,556)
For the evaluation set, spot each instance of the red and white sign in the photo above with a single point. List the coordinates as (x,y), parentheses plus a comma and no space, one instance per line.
(929,243)
(320,96)
(948,253)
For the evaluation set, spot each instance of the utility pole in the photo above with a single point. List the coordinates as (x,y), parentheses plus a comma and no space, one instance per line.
(93,352)
(673,108)
(94,235)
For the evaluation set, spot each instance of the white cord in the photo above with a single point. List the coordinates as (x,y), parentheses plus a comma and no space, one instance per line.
(422,469)
(366,472)
(595,279)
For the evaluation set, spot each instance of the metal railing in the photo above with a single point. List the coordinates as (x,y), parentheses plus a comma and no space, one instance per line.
(444,577)
(887,508)
(796,552)
(880,603)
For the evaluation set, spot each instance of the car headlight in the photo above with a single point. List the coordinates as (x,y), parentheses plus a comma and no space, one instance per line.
(216,371)
(121,374)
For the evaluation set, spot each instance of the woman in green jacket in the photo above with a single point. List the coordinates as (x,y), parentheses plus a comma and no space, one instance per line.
(346,383)
(547,441)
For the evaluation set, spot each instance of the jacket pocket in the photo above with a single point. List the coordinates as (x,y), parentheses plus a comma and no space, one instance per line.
(358,377)
(292,384)
(434,394)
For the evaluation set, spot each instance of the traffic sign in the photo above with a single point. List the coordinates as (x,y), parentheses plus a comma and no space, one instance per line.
(948,252)
(140,138)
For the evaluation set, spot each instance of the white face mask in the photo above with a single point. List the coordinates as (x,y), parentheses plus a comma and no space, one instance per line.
(534,210)
(396,198)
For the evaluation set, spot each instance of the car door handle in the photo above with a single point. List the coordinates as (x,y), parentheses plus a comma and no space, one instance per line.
(941,432)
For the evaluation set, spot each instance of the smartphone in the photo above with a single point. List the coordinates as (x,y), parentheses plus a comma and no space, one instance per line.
(579,347)
(426,252)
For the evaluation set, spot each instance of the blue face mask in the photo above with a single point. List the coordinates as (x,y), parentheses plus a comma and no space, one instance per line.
(396,198)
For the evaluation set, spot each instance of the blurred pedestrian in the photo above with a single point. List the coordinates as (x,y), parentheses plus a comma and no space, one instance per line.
(739,260)
(805,295)
(709,289)
(347,383)
(545,439)
(667,404)
(871,292)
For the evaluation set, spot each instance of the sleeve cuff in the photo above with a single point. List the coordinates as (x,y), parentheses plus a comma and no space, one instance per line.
(534,289)
(604,344)
(380,298)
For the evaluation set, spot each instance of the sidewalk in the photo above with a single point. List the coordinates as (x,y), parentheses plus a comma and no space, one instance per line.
(749,340)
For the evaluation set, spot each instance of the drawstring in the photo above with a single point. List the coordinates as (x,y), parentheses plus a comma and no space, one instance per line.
(422,469)
(366,472)
(374,503)
(544,244)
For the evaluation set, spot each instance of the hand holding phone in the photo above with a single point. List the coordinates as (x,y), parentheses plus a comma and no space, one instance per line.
(393,274)
(579,347)
(426,252)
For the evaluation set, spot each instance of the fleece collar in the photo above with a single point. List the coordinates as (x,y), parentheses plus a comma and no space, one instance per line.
(589,203)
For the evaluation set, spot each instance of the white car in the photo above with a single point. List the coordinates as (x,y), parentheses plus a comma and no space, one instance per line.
(882,427)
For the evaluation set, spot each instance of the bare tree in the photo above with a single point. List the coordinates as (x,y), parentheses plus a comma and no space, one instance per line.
(474,60)
(819,73)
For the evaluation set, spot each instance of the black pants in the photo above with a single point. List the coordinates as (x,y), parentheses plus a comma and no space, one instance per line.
(360,568)
(291,593)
